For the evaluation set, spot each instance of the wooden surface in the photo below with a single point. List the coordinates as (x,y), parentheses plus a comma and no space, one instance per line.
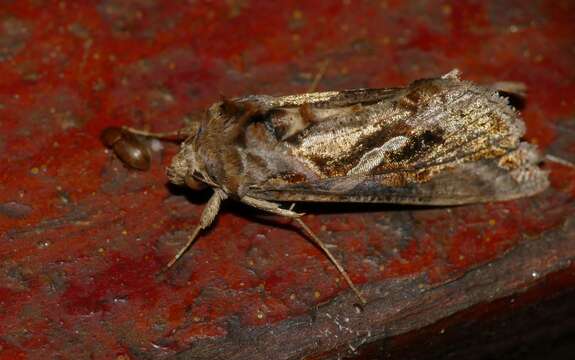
(83,239)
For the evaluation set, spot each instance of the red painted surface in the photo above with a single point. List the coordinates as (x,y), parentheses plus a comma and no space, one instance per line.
(82,239)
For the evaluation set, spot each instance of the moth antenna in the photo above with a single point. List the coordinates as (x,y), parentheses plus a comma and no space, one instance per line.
(208,215)
(326,251)
(317,78)
(176,135)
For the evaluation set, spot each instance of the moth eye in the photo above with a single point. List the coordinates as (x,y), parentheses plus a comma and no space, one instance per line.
(194,183)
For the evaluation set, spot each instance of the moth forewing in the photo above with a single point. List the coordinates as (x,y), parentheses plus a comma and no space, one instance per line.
(439,141)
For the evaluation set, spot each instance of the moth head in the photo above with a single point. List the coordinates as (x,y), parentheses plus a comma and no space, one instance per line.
(185,168)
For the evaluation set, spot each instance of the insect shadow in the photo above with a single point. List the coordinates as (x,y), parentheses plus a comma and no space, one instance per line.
(200,197)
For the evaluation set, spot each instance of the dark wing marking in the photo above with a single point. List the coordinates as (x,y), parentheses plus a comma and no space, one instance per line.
(430,122)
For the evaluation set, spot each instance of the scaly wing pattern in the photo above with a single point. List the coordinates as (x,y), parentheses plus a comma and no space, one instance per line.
(437,141)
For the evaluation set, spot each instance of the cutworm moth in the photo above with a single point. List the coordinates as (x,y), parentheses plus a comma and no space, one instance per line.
(438,141)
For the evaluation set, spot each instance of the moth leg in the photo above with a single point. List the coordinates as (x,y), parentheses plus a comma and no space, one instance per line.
(276,209)
(208,215)
(270,207)
(334,261)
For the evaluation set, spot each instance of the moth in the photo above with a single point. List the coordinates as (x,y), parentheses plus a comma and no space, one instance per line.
(437,141)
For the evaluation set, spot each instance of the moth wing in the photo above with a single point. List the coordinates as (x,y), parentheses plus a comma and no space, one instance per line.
(430,122)
(510,176)
(325,99)
(437,141)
